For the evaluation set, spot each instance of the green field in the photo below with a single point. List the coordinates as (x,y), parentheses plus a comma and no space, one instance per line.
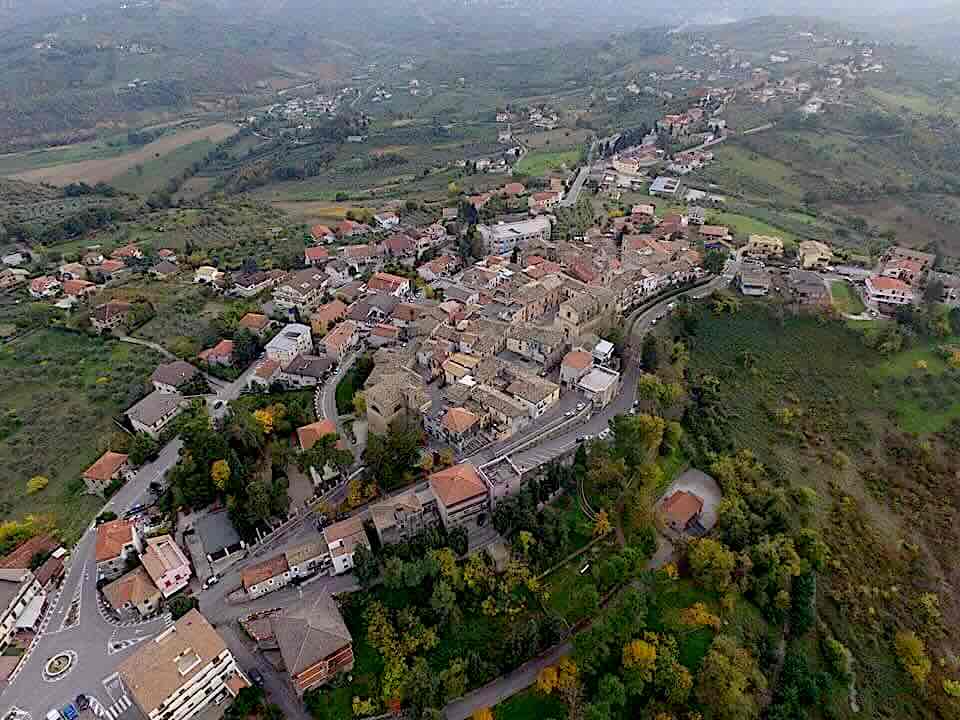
(157,172)
(566,584)
(59,392)
(94,150)
(530,705)
(845,298)
(740,170)
(920,104)
(743,226)
(540,163)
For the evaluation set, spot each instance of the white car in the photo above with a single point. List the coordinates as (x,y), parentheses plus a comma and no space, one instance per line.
(604,434)
(580,406)
(211,581)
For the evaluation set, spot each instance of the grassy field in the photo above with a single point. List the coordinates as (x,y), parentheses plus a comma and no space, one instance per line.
(920,104)
(566,584)
(743,226)
(540,163)
(58,394)
(845,298)
(13,163)
(530,705)
(555,139)
(740,170)
(154,174)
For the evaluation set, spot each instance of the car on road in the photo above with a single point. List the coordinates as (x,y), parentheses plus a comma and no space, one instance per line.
(218,404)
(584,438)
(570,413)
(211,581)
(54,715)
(256,677)
(604,434)
(135,510)
(82,702)
(70,712)
(580,406)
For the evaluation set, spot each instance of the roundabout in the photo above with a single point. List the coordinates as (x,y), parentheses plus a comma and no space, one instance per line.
(58,666)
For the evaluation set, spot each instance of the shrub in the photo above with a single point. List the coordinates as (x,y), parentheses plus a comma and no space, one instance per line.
(36,484)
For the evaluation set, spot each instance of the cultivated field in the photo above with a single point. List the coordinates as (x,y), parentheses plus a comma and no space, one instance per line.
(105,169)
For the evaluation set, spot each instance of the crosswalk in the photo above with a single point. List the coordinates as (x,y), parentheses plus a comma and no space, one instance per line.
(118,708)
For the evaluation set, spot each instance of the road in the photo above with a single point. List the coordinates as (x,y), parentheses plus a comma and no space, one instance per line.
(571,197)
(98,642)
(328,393)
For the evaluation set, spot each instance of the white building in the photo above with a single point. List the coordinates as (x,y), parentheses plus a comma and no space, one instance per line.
(181,671)
(502,238)
(166,564)
(343,539)
(293,340)
(889,291)
(17,599)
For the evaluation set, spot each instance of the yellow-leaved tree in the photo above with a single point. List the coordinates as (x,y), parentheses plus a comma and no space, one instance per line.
(220,473)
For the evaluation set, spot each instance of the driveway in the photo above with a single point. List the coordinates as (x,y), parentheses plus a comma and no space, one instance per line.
(704,487)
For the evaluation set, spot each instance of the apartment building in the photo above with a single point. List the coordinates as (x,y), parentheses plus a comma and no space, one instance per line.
(462,496)
(166,564)
(502,238)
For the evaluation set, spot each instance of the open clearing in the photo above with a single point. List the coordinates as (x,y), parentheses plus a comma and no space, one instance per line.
(845,298)
(539,163)
(105,169)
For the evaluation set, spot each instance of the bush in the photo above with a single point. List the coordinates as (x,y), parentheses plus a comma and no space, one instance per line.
(181,605)
(36,484)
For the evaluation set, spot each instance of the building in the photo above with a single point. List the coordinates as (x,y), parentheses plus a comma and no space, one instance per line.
(463,498)
(154,412)
(313,641)
(603,352)
(117,541)
(45,286)
(293,340)
(343,539)
(764,246)
(403,516)
(306,371)
(310,435)
(207,275)
(540,202)
(923,259)
(21,604)
(322,234)
(219,354)
(459,426)
(181,671)
(390,284)
(338,343)
(307,560)
(164,270)
(111,466)
(110,315)
(386,220)
(173,376)
(664,187)
(574,366)
(250,284)
(255,323)
(166,564)
(883,290)
(302,289)
(753,282)
(541,345)
(714,236)
(808,288)
(316,256)
(393,396)
(502,238)
(219,537)
(814,255)
(265,577)
(682,511)
(600,386)
(133,594)
(325,316)
(538,395)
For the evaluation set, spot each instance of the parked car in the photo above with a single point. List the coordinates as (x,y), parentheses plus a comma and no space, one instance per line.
(70,712)
(256,677)
(604,434)
(82,702)
(580,406)
(211,581)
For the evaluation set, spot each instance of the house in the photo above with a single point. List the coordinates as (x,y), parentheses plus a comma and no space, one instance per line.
(664,187)
(306,371)
(502,238)
(513,189)
(322,234)
(382,334)
(402,516)
(459,426)
(72,271)
(93,258)
(110,315)
(542,345)
(390,284)
(173,376)
(127,253)
(386,220)
(754,283)
(309,435)
(906,269)
(764,246)
(361,258)
(316,255)
(207,275)
(167,254)
(154,412)
(111,270)
(440,266)
(463,498)
(180,672)
(349,229)
(111,466)
(714,236)
(583,310)
(14,259)
(133,594)
(16,563)
(78,289)
(313,641)
(307,560)
(10,279)
(117,541)
(250,284)
(325,316)
(295,339)
(219,537)
(808,288)
(338,343)
(814,255)
(164,270)
(574,366)
(265,577)
(166,564)
(540,202)
(343,539)
(302,289)
(603,352)
(266,373)
(22,600)
(219,354)
(255,323)
(600,386)
(45,286)
(682,511)
(396,394)
(925,260)
(883,290)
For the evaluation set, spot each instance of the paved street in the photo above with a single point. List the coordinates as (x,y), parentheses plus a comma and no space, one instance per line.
(75,622)
(570,199)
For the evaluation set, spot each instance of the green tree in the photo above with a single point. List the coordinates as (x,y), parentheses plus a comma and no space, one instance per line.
(366,567)
(730,682)
(180,605)
(142,448)
(712,564)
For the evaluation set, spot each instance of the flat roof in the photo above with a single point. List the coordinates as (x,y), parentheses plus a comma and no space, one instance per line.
(599,380)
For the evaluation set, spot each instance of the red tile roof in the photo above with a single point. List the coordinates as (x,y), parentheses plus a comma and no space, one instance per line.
(578,359)
(457,484)
(313,254)
(106,467)
(111,537)
(682,507)
(309,435)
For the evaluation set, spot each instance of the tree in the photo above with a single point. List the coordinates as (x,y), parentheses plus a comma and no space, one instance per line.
(602,526)
(359,404)
(443,602)
(36,484)
(729,682)
(366,567)
(142,448)
(714,261)
(180,605)
(220,474)
(246,347)
(547,680)
(913,656)
(482,714)
(637,438)
(712,564)
(650,354)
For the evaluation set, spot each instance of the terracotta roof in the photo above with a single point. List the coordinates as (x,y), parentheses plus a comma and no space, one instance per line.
(111,537)
(222,349)
(161,555)
(330,312)
(514,189)
(135,587)
(236,683)
(52,568)
(256,574)
(21,556)
(714,231)
(76,287)
(881,282)
(459,420)
(320,231)
(43,283)
(457,484)
(341,335)
(253,321)
(681,507)
(106,467)
(153,673)
(399,244)
(111,265)
(316,253)
(386,331)
(578,360)
(308,435)
(266,369)
(386,282)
